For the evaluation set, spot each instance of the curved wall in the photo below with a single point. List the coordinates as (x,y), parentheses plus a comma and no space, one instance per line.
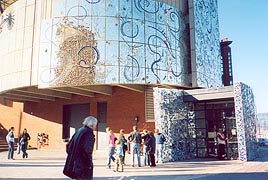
(16,37)
(67,43)
(112,41)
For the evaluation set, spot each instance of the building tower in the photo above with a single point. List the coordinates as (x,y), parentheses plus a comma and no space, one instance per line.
(227,76)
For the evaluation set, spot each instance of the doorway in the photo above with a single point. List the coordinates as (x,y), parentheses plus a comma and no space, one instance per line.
(102,124)
(210,116)
(73,116)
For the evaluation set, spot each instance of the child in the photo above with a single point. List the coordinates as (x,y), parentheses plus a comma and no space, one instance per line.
(119,157)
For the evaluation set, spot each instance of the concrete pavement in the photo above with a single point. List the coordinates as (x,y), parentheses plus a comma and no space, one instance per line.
(48,164)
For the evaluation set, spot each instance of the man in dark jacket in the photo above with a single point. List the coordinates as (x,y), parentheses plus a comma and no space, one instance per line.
(135,139)
(79,163)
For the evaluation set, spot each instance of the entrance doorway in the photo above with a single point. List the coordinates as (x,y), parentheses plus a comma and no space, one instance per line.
(102,124)
(73,116)
(210,116)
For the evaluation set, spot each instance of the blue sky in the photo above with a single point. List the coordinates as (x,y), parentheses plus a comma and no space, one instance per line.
(245,22)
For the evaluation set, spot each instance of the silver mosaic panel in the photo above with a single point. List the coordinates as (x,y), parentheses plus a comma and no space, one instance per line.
(112,41)
(176,122)
(245,112)
(207,46)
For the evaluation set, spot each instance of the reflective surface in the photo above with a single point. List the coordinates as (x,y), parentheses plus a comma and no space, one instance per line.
(245,112)
(207,46)
(112,41)
(174,119)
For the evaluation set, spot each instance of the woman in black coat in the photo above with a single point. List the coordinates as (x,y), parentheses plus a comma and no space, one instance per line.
(151,148)
(24,138)
(79,164)
(124,142)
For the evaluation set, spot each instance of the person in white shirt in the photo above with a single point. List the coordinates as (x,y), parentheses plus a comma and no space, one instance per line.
(221,144)
(10,141)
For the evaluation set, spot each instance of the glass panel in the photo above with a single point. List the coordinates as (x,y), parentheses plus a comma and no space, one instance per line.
(151,8)
(112,74)
(200,123)
(72,8)
(112,56)
(150,34)
(201,133)
(138,31)
(162,15)
(98,7)
(112,8)
(60,11)
(125,9)
(131,68)
(112,29)
(151,65)
(86,22)
(202,152)
(200,114)
(138,12)
(201,143)
(126,32)
(100,66)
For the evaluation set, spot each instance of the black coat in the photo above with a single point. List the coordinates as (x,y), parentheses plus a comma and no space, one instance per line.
(123,141)
(151,144)
(79,160)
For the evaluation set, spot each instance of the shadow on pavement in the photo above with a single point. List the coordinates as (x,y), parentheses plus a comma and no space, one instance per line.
(223,176)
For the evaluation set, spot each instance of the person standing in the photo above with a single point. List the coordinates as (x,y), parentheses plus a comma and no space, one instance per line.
(146,138)
(111,146)
(221,144)
(119,166)
(151,148)
(10,141)
(24,138)
(79,162)
(135,139)
(159,141)
(124,144)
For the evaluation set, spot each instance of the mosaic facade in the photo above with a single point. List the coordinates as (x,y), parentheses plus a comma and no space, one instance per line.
(174,119)
(206,44)
(112,41)
(245,112)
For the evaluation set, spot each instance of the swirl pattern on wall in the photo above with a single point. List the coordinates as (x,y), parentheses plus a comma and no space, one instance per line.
(176,122)
(207,46)
(245,112)
(137,41)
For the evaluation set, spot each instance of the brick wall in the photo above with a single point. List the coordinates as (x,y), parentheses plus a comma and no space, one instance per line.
(46,116)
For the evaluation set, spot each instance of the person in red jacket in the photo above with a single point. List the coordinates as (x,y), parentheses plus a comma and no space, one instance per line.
(221,144)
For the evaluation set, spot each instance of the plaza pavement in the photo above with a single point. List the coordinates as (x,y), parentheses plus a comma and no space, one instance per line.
(48,164)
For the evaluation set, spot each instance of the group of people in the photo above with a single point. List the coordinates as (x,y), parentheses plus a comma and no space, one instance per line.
(79,164)
(152,147)
(22,143)
(79,161)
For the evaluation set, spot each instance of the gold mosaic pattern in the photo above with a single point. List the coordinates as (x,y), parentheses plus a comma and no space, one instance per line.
(77,56)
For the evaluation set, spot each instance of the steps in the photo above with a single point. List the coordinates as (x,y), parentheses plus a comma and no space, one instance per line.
(4,145)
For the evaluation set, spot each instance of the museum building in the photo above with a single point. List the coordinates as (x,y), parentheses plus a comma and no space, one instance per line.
(154,64)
